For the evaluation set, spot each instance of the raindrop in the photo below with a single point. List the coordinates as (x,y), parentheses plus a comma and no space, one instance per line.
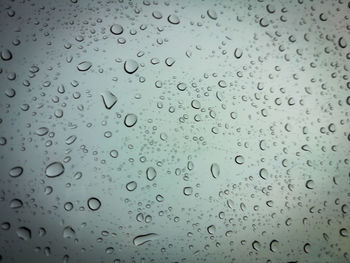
(84,66)
(24,233)
(239,159)
(142,239)
(116,29)
(109,99)
(6,55)
(68,232)
(215,170)
(187,191)
(130,120)
(151,173)
(256,245)
(16,171)
(94,203)
(130,66)
(212,14)
(211,229)
(54,169)
(131,186)
(173,19)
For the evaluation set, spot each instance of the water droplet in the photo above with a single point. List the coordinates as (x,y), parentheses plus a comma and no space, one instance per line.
(169,61)
(215,170)
(181,86)
(142,239)
(344,232)
(131,186)
(130,120)
(109,99)
(68,232)
(16,203)
(256,245)
(173,19)
(157,15)
(211,229)
(16,171)
(151,173)
(274,245)
(54,169)
(116,29)
(68,206)
(71,139)
(307,247)
(114,153)
(94,203)
(6,55)
(84,66)
(310,184)
(263,173)
(130,66)
(239,159)
(187,190)
(24,233)
(238,53)
(42,131)
(342,43)
(212,14)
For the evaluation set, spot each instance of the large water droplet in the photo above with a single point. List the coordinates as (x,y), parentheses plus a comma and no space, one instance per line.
(84,66)
(173,19)
(109,99)
(151,173)
(16,171)
(54,169)
(130,120)
(94,203)
(6,55)
(24,233)
(116,29)
(130,66)
(142,239)
(212,14)
(68,232)
(215,170)
(131,186)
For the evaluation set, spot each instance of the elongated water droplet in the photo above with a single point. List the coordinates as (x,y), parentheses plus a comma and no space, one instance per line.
(84,66)
(54,169)
(151,173)
(109,99)
(215,170)
(16,171)
(142,239)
